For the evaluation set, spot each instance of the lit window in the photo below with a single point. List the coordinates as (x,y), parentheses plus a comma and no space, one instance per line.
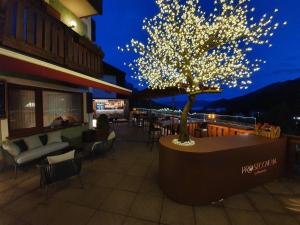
(22,113)
(61,107)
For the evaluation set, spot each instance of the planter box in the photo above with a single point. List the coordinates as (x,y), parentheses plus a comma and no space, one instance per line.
(218,167)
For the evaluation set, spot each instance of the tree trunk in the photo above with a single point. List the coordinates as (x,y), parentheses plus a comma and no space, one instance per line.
(183,133)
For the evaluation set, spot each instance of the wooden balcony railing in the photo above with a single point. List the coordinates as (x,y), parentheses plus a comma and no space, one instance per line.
(26,26)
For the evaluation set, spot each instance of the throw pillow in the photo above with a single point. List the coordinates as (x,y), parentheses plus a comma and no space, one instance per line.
(22,145)
(111,136)
(44,139)
(61,158)
(33,142)
(54,137)
(11,148)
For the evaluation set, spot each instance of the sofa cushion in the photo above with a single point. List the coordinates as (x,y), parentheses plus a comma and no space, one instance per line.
(44,139)
(22,145)
(61,158)
(49,148)
(33,142)
(39,152)
(11,148)
(54,137)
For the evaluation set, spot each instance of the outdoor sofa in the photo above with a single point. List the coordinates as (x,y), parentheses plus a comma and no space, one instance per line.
(21,151)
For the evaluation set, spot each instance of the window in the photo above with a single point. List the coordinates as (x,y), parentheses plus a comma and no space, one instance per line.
(58,106)
(22,113)
(31,110)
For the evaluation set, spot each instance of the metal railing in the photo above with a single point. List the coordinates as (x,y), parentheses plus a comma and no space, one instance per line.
(232,121)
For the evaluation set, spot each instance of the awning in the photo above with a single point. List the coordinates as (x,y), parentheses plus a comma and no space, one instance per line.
(11,61)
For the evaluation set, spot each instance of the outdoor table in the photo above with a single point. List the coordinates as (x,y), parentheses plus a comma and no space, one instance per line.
(218,167)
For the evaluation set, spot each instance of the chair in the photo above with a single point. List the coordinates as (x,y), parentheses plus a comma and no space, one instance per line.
(154,134)
(52,173)
(202,130)
(102,147)
(113,121)
(10,160)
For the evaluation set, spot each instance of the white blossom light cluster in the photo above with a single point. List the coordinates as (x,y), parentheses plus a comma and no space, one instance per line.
(191,49)
(187,143)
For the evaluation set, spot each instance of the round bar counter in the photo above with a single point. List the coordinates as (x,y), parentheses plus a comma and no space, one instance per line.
(218,167)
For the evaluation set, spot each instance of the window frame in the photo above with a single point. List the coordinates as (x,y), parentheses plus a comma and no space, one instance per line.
(4,115)
(39,112)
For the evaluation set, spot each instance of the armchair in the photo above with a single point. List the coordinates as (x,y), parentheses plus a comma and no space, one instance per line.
(51,173)
(102,147)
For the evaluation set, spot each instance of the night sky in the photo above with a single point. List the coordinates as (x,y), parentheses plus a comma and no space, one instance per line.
(122,20)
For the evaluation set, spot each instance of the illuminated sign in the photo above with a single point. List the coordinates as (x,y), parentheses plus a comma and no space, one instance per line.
(259,167)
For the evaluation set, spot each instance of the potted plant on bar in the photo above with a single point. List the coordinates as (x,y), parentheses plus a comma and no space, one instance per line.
(200,52)
(102,128)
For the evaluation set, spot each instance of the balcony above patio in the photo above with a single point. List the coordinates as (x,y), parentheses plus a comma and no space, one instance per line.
(31,28)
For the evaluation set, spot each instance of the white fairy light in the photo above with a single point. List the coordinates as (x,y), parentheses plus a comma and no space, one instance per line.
(188,48)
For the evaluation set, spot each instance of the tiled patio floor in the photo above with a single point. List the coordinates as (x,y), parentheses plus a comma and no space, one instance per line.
(121,188)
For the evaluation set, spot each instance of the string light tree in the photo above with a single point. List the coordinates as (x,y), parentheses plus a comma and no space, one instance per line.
(200,52)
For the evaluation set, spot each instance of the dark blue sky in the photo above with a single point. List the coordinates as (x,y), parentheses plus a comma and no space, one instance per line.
(122,20)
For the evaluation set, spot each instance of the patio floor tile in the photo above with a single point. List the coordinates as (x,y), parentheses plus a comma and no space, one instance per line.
(245,217)
(105,218)
(130,183)
(138,170)
(6,196)
(74,214)
(238,202)
(6,185)
(119,202)
(279,219)
(152,172)
(297,217)
(133,221)
(209,215)
(258,189)
(121,188)
(110,180)
(6,219)
(46,212)
(177,214)
(89,196)
(147,207)
(292,185)
(265,202)
(91,176)
(277,187)
(22,205)
(151,187)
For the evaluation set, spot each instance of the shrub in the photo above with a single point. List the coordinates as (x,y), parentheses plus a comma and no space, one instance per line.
(102,122)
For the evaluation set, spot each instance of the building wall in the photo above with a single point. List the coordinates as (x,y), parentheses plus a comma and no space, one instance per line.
(67,16)
(104,94)
(88,23)
(15,80)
